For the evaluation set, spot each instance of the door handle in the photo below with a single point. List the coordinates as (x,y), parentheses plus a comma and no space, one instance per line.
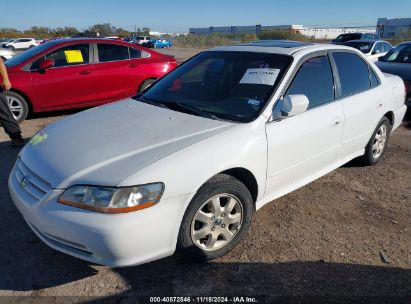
(85,72)
(133,65)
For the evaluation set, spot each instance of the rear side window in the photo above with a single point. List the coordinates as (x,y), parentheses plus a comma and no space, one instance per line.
(315,80)
(374,79)
(353,72)
(135,53)
(112,52)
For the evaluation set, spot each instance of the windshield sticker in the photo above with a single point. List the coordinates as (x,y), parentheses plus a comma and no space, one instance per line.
(253,102)
(260,76)
(74,56)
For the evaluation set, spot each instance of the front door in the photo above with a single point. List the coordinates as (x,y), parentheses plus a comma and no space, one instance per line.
(305,146)
(69,83)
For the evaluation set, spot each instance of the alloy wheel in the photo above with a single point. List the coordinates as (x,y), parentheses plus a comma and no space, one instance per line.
(15,106)
(379,141)
(217,222)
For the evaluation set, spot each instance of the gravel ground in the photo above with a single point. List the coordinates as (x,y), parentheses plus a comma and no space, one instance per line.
(344,238)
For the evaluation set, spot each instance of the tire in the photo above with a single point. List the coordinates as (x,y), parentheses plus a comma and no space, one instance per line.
(17,105)
(10,47)
(375,149)
(222,228)
(146,83)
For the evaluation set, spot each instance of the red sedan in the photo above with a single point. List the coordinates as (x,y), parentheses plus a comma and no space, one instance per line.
(76,73)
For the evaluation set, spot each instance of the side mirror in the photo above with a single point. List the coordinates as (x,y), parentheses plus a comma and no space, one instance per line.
(46,64)
(381,58)
(294,104)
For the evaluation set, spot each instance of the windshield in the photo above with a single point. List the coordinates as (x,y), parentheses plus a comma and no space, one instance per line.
(364,47)
(231,86)
(401,53)
(26,55)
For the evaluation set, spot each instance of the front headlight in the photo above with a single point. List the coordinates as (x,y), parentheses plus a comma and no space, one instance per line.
(111,199)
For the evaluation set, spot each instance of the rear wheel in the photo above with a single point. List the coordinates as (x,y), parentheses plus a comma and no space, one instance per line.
(377,145)
(216,220)
(17,105)
(146,84)
(10,47)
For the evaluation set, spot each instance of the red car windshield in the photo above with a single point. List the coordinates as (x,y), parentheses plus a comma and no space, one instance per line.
(26,55)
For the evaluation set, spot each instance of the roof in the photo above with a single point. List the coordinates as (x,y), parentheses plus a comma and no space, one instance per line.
(283,47)
(364,40)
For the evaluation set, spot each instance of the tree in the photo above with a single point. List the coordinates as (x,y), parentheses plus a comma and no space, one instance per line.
(120,32)
(102,30)
(146,31)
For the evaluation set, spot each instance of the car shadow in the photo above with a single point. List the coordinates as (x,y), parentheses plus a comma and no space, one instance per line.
(292,282)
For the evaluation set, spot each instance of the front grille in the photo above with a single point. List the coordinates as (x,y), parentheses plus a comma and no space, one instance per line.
(31,183)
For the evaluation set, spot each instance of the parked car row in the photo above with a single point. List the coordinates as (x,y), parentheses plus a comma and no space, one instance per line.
(75,73)
(185,164)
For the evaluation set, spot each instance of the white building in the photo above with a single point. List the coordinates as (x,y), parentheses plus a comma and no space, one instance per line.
(331,33)
(315,32)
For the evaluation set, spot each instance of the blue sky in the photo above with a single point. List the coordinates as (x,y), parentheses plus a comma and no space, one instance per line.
(178,16)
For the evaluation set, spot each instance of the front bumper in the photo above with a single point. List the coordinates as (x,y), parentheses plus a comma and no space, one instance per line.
(109,239)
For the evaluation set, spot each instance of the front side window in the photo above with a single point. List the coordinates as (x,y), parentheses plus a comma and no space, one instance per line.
(112,52)
(378,48)
(67,56)
(401,53)
(353,72)
(220,85)
(315,80)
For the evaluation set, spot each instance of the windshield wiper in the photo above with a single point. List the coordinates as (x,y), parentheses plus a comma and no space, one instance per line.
(191,110)
(151,101)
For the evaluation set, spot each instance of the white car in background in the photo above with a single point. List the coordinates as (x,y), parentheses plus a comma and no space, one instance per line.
(22,43)
(186,163)
(6,54)
(142,40)
(372,49)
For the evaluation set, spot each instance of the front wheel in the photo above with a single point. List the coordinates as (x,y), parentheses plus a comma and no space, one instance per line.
(216,220)
(375,149)
(17,105)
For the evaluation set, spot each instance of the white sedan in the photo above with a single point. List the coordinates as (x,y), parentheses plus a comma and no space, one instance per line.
(186,163)
(372,49)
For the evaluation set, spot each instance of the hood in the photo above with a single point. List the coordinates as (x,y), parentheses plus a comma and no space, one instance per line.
(104,145)
(402,70)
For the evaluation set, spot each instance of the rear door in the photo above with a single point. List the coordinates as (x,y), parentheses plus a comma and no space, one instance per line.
(117,71)
(69,83)
(362,99)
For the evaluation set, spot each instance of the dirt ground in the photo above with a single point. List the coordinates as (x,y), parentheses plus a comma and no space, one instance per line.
(344,238)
